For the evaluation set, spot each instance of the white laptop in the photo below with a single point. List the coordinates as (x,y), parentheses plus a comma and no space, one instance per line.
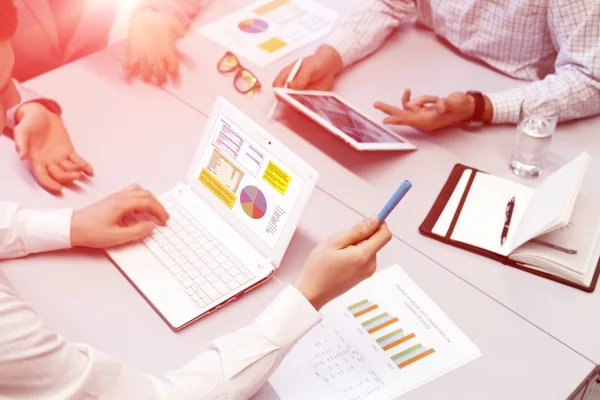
(231,221)
(344,120)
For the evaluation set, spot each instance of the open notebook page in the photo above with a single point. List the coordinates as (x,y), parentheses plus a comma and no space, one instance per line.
(482,218)
(574,247)
(551,205)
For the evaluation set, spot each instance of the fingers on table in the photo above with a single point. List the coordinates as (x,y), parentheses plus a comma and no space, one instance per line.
(57,173)
(69,166)
(44,179)
(131,64)
(82,165)
(145,69)
(172,63)
(159,72)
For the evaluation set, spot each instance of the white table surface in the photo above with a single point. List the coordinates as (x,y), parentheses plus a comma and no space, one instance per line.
(149,136)
(145,135)
(413,58)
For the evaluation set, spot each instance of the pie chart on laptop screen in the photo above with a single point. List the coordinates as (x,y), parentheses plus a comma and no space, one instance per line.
(253,25)
(253,202)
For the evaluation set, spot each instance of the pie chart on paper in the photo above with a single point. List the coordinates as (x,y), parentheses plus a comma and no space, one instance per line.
(253,202)
(253,25)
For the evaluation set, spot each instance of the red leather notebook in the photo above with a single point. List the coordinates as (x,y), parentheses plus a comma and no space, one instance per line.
(427,227)
(588,386)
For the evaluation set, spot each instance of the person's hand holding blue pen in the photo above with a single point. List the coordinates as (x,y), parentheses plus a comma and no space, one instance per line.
(364,240)
(393,202)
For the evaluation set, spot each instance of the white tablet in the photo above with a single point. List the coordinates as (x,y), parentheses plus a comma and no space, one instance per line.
(343,120)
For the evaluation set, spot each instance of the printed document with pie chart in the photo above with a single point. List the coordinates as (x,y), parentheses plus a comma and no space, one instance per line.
(270,29)
(260,190)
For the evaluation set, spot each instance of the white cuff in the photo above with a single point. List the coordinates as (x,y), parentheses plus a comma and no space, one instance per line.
(289,317)
(507,106)
(46,230)
(28,96)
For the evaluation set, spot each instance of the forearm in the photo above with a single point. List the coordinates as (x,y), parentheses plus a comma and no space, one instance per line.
(578,96)
(238,364)
(31,231)
(42,364)
(365,29)
(576,81)
(183,10)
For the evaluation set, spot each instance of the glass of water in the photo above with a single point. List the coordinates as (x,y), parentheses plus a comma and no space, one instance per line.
(537,123)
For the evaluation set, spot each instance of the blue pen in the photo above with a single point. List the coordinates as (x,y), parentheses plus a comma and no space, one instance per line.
(389,207)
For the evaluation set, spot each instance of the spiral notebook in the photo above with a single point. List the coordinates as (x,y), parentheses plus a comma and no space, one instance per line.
(552,231)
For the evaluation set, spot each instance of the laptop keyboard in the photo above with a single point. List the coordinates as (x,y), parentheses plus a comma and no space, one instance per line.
(207,271)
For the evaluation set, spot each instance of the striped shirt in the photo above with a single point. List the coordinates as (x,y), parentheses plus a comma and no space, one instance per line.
(553,43)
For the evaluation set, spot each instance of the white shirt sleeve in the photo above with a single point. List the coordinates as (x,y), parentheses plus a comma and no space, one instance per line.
(576,80)
(40,364)
(32,231)
(28,96)
(366,28)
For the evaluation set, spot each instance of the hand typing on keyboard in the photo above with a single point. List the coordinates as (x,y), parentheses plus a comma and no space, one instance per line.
(205,268)
(100,225)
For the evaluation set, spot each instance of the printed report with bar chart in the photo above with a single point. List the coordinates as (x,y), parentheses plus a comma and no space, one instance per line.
(382,339)
(267,30)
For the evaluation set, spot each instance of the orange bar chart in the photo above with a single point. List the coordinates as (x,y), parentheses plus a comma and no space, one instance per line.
(393,342)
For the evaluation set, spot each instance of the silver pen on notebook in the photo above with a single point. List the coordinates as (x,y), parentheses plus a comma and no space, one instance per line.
(290,78)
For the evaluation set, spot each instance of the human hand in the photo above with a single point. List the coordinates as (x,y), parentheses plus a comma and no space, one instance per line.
(429,113)
(342,262)
(100,225)
(317,72)
(151,51)
(42,139)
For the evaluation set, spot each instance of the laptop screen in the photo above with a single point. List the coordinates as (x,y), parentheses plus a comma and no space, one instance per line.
(260,190)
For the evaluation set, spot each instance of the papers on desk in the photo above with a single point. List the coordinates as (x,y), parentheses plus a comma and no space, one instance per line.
(380,340)
(270,29)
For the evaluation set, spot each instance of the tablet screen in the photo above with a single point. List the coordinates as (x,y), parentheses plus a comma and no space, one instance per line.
(346,119)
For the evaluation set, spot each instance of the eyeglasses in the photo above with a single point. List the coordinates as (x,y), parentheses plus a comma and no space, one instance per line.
(245,81)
